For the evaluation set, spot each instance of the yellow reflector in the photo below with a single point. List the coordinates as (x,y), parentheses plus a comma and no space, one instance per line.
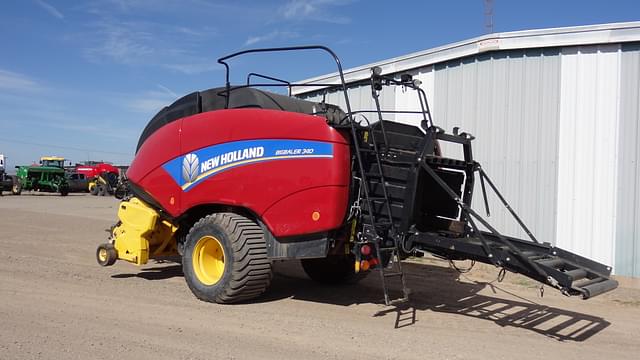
(364,265)
(315,216)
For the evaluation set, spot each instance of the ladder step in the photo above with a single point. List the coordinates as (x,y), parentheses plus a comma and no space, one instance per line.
(437,160)
(586,282)
(552,263)
(383,223)
(392,274)
(577,274)
(534,255)
(377,198)
(598,288)
(401,300)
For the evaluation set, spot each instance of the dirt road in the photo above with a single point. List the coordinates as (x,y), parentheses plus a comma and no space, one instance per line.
(57,303)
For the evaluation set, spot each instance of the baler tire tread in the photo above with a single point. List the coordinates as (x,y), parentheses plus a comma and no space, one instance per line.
(16,187)
(247,271)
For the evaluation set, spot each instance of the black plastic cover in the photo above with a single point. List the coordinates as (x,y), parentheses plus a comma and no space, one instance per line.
(244,97)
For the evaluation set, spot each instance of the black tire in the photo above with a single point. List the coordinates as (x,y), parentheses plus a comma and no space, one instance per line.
(102,190)
(106,255)
(64,191)
(120,192)
(94,190)
(16,188)
(333,269)
(245,268)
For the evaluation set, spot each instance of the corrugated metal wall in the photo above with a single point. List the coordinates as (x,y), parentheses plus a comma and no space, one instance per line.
(627,252)
(509,101)
(557,130)
(407,100)
(588,147)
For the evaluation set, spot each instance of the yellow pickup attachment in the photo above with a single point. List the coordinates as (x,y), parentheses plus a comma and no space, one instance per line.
(141,234)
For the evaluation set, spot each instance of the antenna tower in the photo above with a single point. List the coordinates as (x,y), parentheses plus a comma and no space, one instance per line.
(488,16)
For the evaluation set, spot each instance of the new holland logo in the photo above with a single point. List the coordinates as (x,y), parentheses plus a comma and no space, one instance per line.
(190,168)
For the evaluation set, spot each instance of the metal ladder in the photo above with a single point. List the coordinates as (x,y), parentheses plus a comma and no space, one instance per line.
(379,229)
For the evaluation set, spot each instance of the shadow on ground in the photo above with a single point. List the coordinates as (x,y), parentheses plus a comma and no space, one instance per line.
(162,272)
(433,288)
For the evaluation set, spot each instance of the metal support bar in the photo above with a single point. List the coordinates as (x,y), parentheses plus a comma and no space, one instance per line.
(285,82)
(506,204)
(483,241)
(376,98)
(466,208)
(484,195)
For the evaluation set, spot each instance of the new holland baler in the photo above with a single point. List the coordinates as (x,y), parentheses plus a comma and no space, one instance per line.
(235,177)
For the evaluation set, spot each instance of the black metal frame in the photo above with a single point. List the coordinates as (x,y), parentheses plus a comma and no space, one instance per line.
(570,273)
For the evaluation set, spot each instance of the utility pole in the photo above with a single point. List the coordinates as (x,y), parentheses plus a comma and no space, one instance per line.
(488,16)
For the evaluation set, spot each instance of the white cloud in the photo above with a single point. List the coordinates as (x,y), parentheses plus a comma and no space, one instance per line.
(121,43)
(147,106)
(298,8)
(195,67)
(150,102)
(167,90)
(314,10)
(274,35)
(17,82)
(148,43)
(50,9)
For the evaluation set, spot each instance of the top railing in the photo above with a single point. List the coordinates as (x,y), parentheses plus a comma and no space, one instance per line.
(342,85)
(377,81)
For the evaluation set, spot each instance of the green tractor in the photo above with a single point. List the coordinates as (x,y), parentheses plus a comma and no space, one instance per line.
(49,176)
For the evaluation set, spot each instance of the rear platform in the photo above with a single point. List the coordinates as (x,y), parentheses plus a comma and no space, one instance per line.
(430,205)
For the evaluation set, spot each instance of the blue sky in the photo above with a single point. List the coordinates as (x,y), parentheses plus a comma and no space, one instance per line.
(82,79)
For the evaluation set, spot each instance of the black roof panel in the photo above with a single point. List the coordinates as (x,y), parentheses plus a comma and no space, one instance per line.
(243,97)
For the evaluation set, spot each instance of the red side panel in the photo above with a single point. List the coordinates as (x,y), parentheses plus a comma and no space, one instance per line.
(100,168)
(311,210)
(292,170)
(242,124)
(88,171)
(93,171)
(146,168)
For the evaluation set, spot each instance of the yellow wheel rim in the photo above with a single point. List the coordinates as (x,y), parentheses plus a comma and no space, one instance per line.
(102,255)
(208,260)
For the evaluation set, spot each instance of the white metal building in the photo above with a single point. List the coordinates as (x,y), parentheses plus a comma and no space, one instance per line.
(556,117)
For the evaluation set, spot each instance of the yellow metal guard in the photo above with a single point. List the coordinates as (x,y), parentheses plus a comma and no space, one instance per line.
(141,234)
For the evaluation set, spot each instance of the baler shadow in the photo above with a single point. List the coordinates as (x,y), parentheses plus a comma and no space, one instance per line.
(154,273)
(559,324)
(438,289)
(434,288)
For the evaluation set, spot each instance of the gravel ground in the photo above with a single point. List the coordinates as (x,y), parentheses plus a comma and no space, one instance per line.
(57,303)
